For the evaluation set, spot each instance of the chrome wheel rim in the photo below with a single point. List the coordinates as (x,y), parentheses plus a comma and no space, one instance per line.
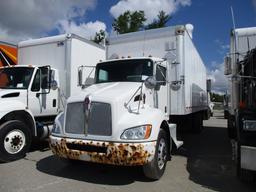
(161,154)
(14,141)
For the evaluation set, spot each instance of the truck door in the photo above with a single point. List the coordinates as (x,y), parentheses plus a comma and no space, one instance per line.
(43,101)
(161,91)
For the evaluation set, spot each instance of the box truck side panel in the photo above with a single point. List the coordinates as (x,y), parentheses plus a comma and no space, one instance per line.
(139,44)
(245,44)
(195,78)
(50,53)
(87,54)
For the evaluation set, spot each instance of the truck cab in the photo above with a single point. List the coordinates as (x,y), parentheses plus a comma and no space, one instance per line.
(29,101)
(241,113)
(122,119)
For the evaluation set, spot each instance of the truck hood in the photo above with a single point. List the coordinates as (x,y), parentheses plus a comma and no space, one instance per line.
(108,92)
(9,93)
(126,109)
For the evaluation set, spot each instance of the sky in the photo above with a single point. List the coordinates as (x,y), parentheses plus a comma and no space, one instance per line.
(212,21)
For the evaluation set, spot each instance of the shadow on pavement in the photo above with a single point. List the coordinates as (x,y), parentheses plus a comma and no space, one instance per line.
(209,161)
(91,172)
(38,145)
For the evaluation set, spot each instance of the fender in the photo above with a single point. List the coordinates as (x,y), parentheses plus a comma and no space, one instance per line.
(156,118)
(11,106)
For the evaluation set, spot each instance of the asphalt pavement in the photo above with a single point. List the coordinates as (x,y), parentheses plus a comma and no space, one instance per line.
(203,163)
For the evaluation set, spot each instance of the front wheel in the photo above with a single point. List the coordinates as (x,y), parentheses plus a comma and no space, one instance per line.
(155,169)
(15,140)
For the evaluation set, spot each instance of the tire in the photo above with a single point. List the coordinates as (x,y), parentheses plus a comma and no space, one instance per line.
(155,169)
(226,114)
(15,140)
(197,124)
(231,128)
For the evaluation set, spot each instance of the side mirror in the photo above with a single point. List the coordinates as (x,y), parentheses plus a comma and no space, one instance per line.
(227,63)
(89,81)
(84,76)
(45,77)
(54,85)
(150,83)
(80,77)
(160,75)
(208,85)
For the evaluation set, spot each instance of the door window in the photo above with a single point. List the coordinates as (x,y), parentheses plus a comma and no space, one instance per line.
(36,83)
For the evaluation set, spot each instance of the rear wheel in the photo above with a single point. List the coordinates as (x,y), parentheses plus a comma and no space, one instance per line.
(15,140)
(155,169)
(231,127)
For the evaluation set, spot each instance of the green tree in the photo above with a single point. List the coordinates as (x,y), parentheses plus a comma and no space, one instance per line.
(129,22)
(99,36)
(216,97)
(162,19)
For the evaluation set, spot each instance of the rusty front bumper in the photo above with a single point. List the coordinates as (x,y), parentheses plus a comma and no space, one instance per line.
(103,152)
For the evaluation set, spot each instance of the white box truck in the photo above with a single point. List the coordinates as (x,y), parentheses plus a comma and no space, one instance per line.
(241,113)
(34,92)
(151,80)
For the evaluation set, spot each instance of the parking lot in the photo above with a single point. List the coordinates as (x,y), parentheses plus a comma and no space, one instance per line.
(202,164)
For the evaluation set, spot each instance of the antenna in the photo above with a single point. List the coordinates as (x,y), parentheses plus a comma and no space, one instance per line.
(143,48)
(248,44)
(233,18)
(234,27)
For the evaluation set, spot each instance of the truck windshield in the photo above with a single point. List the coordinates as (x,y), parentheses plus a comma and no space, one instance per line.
(15,77)
(124,70)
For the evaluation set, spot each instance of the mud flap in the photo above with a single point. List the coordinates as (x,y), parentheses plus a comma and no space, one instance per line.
(173,134)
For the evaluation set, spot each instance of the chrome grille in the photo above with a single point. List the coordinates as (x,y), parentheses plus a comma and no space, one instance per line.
(99,119)
(75,118)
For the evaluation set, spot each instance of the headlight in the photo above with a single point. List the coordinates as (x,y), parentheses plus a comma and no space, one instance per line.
(249,125)
(56,128)
(136,133)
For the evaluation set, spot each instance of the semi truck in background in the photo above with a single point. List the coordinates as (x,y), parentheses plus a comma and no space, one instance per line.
(8,54)
(152,83)
(35,91)
(241,114)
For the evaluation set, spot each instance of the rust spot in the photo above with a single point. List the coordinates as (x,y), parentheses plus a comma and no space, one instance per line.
(117,154)
(133,148)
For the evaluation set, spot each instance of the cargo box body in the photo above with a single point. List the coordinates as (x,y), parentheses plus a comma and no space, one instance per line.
(186,71)
(65,53)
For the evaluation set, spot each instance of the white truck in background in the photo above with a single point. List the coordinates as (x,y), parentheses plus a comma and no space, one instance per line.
(152,82)
(35,91)
(241,107)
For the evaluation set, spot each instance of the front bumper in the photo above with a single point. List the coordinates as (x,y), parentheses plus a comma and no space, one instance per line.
(129,154)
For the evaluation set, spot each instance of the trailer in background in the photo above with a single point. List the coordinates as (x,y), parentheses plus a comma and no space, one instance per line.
(8,54)
(240,68)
